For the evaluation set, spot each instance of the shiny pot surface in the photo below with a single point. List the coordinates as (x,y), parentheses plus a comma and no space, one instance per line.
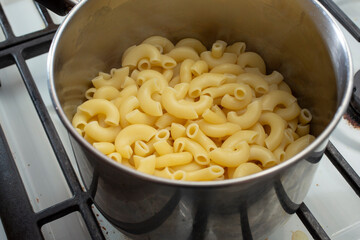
(295,37)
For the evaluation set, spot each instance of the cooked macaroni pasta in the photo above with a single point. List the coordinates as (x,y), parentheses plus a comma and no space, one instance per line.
(187,113)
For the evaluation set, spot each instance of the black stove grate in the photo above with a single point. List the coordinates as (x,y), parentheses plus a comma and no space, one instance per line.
(12,40)
(19,220)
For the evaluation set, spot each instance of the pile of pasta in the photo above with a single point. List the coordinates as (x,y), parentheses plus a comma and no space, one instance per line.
(183,112)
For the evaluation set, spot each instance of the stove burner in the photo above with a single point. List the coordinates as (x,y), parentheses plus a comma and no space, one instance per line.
(353,112)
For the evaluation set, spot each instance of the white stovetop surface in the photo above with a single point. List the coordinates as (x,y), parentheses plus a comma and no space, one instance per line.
(331,200)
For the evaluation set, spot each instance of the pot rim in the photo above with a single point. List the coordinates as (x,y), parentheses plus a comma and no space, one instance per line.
(207,184)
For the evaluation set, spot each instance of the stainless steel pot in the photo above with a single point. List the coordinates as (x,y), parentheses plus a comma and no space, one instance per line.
(296,37)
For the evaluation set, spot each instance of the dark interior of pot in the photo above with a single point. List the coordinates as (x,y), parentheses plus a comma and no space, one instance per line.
(294,37)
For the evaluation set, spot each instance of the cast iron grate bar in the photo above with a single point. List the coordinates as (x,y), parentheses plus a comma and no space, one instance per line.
(5,25)
(12,40)
(55,141)
(343,167)
(18,217)
(348,24)
(310,222)
(47,124)
(45,15)
(81,200)
(15,208)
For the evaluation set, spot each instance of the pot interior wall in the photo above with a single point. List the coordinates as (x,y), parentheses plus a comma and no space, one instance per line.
(291,36)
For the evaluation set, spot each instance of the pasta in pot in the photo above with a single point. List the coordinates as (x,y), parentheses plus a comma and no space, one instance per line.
(182,112)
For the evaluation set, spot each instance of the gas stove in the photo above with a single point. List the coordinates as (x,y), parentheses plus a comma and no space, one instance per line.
(41,194)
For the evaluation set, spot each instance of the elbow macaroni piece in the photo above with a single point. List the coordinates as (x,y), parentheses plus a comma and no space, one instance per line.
(243,135)
(164,173)
(249,117)
(115,79)
(192,43)
(205,174)
(275,98)
(166,120)
(305,116)
(233,103)
(193,132)
(145,164)
(288,138)
(184,109)
(147,104)
(128,105)
(101,134)
(218,48)
(228,88)
(141,148)
(168,74)
(190,167)
(137,117)
(126,92)
(289,113)
(174,107)
(214,115)
(277,128)
(115,156)
(260,138)
(173,159)
(167,62)
(303,130)
(251,59)
(199,67)
(274,78)
(255,81)
(246,169)
(80,120)
(284,87)
(144,64)
(231,157)
(237,48)
(229,68)
(263,155)
(204,81)
(186,113)
(163,44)
(142,51)
(185,70)
(177,130)
(181,90)
(162,147)
(106,92)
(180,54)
(129,135)
(298,145)
(150,74)
(218,130)
(213,62)
(201,156)
(104,147)
(101,106)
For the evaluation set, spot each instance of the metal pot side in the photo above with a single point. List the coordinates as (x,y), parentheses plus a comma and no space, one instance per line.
(295,37)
